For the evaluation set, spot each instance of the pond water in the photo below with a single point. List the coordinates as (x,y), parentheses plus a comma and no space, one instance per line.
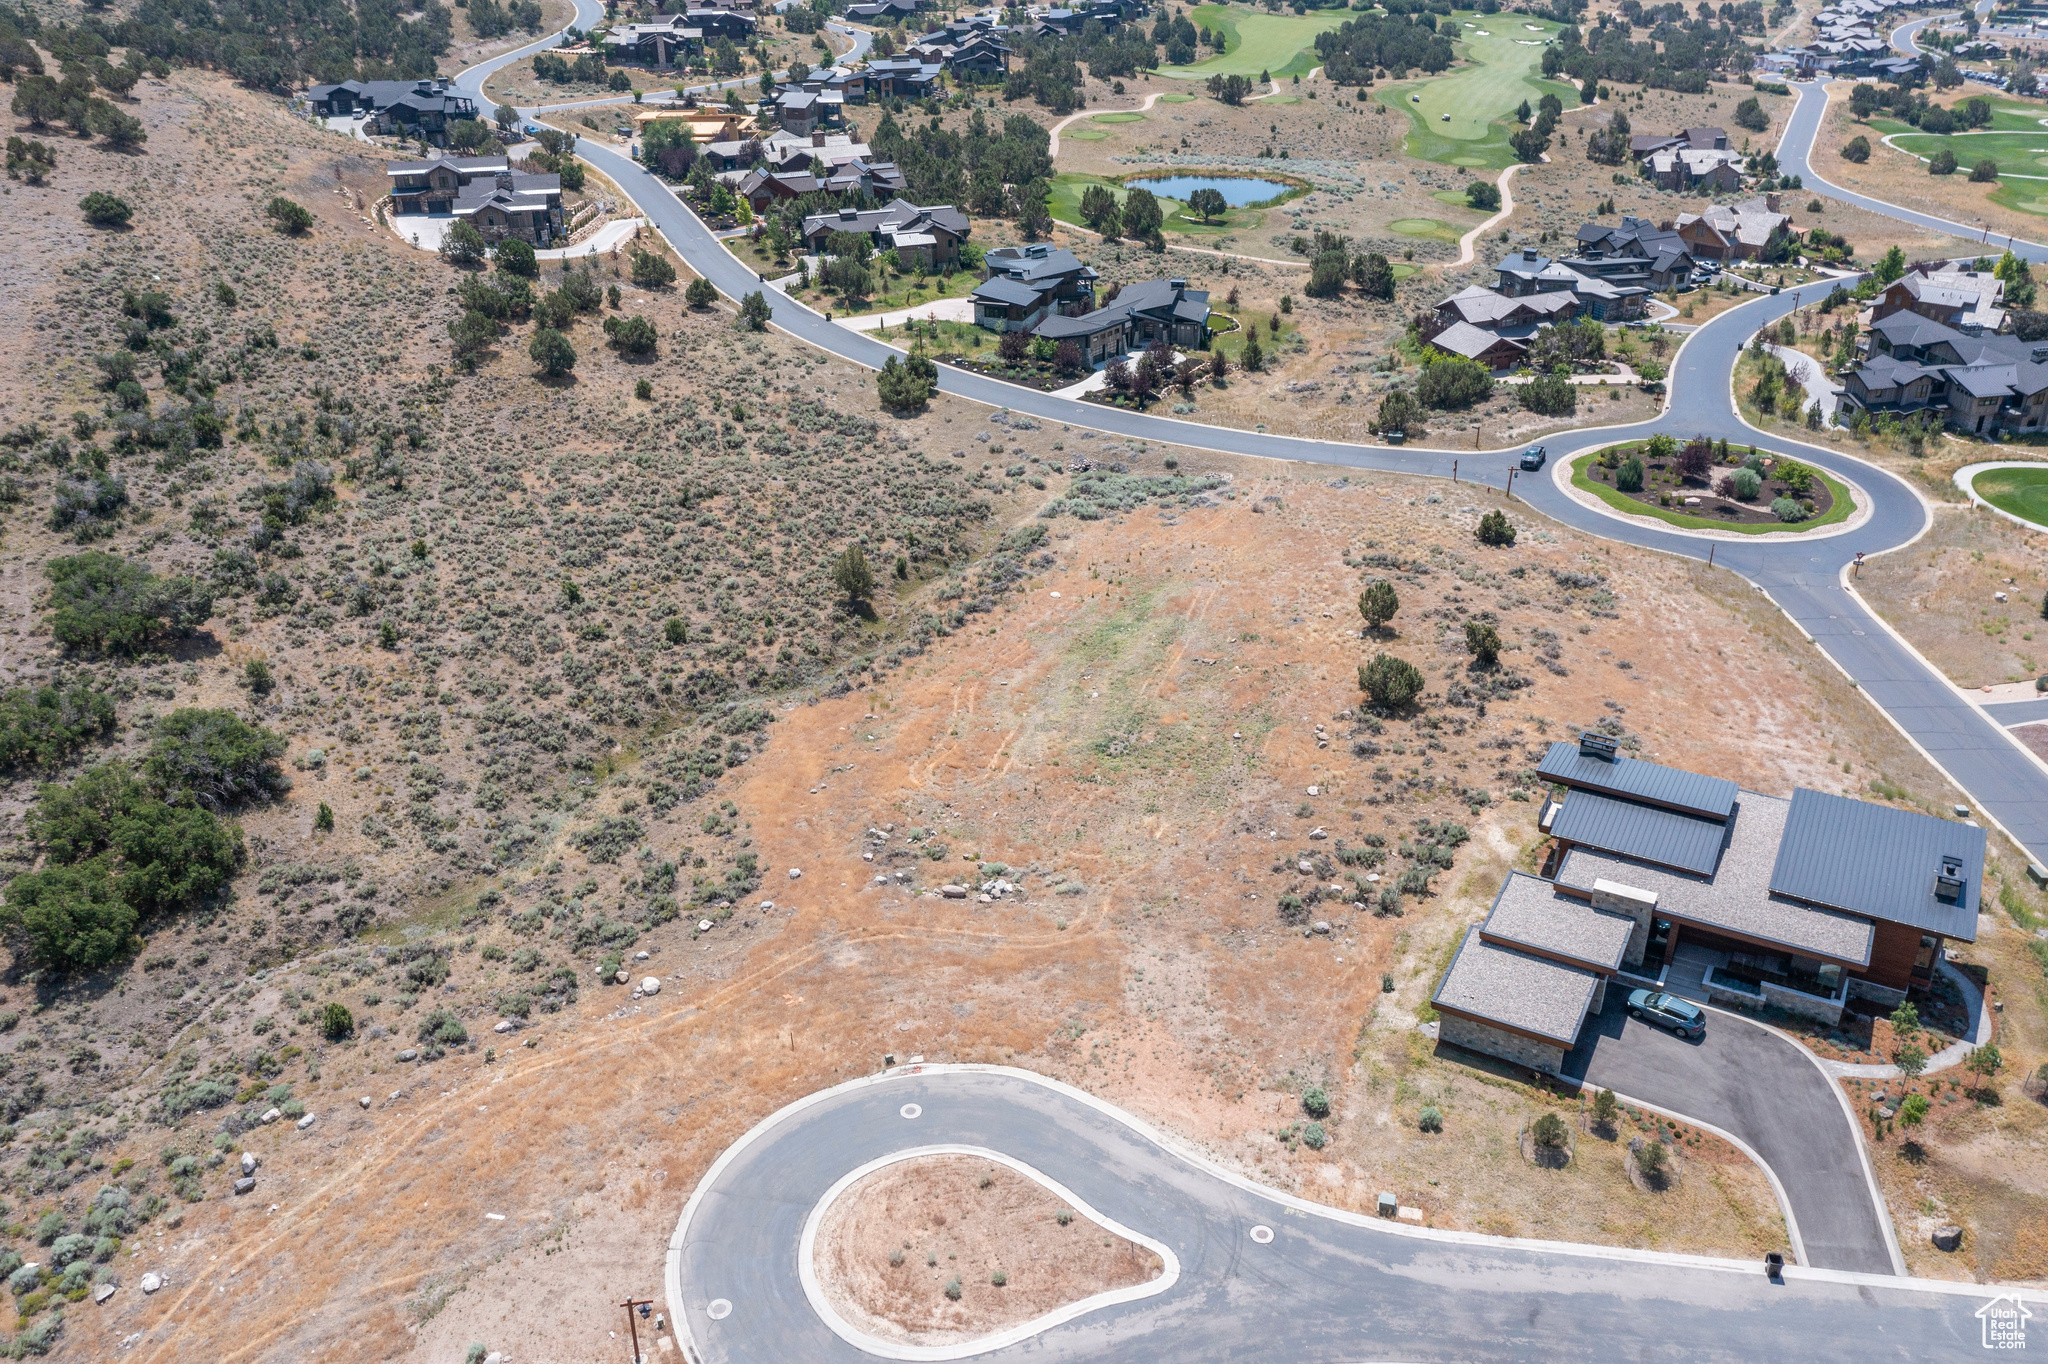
(1237,192)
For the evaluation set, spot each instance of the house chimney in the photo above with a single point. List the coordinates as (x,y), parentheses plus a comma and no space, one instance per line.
(504,179)
(818,137)
(1600,746)
(1528,253)
(1948,882)
(1176,284)
(847,215)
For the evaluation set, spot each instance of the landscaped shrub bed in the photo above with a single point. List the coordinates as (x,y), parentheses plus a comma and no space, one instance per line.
(1714,482)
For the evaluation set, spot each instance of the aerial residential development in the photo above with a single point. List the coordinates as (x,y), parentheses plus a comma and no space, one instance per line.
(738,683)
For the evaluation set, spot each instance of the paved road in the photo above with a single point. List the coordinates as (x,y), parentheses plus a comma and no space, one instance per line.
(1328,1287)
(1795,157)
(1750,1082)
(1800,576)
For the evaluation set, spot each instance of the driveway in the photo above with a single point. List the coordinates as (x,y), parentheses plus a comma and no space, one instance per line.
(1748,1081)
(1324,1287)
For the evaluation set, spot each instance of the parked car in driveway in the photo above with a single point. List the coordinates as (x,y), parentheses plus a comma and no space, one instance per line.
(1682,1016)
(1532,458)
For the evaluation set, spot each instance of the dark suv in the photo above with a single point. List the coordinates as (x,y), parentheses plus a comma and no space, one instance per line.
(1682,1016)
(1532,458)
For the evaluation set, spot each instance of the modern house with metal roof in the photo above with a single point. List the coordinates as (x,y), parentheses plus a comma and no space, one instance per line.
(1023,285)
(1802,904)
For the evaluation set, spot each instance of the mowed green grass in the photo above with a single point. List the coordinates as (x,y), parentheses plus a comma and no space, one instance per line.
(2016,153)
(2020,492)
(1503,64)
(1278,44)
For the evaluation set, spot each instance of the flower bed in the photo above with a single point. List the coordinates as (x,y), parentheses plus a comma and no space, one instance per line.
(1783,494)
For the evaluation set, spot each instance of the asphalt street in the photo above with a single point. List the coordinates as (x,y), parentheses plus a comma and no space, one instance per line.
(1802,576)
(1324,1289)
(1795,157)
(1750,1082)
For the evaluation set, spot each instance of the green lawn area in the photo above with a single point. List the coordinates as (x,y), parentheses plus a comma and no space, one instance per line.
(1503,58)
(1125,117)
(1425,227)
(1279,44)
(2021,492)
(1844,504)
(1177,97)
(2017,154)
(1083,135)
(2022,196)
(1065,203)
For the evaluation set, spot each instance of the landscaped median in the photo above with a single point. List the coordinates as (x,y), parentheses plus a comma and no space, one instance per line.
(1743,489)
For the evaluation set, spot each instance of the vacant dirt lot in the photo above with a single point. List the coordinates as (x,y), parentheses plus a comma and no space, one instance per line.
(913,1251)
(1941,592)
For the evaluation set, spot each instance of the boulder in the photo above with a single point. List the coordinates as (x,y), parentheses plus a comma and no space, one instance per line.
(274,1114)
(651,985)
(408,1055)
(953,892)
(152,1282)
(796,873)
(1322,925)
(364,1101)
(249,1162)
(1948,1237)
(245,1184)
(504,1025)
(305,1122)
(1305,867)
(623,976)
(640,956)
(103,1292)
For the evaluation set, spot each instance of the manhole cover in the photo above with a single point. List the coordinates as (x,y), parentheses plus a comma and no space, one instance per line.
(1263,1235)
(719,1309)
(911,1111)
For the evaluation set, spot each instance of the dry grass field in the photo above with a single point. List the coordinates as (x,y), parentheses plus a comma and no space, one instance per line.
(567,672)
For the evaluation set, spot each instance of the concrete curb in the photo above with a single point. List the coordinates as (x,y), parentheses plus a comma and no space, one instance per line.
(682,1310)
(807,1269)
(1965,478)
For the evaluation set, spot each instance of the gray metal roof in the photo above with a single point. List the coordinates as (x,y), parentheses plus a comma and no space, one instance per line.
(1871,859)
(1652,783)
(1527,993)
(1665,837)
(1737,898)
(1532,914)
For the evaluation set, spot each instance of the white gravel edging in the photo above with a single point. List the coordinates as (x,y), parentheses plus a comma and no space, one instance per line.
(807,1269)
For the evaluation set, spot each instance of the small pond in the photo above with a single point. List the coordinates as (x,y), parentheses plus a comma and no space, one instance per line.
(1238,191)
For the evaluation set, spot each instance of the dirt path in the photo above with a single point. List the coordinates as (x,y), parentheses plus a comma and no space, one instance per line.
(1469,243)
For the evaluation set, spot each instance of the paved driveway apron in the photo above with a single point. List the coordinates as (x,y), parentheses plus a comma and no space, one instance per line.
(1753,1083)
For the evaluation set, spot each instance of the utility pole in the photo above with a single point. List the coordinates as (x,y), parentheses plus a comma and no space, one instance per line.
(1511,483)
(632,1328)
(1454,471)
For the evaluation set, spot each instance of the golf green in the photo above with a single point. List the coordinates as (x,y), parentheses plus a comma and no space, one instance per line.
(1083,135)
(2017,154)
(1125,117)
(2019,492)
(1464,117)
(1277,44)
(1424,227)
